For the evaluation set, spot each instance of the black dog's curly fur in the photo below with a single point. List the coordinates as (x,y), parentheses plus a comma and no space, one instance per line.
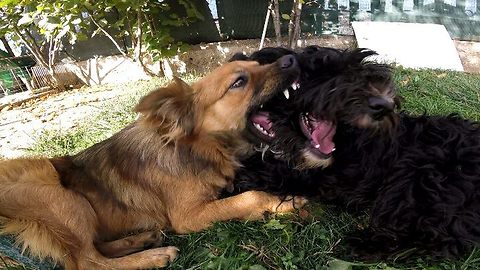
(418,177)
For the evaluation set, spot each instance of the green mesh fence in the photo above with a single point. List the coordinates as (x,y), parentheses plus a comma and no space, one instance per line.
(13,73)
(244,19)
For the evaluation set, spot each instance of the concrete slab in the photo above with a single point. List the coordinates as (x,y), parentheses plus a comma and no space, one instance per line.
(409,44)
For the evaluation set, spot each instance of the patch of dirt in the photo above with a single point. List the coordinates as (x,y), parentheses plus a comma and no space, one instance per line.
(203,57)
(21,125)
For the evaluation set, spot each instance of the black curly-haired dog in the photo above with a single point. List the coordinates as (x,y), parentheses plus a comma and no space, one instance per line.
(338,138)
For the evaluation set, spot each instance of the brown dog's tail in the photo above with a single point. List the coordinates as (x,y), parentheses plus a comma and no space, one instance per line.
(31,200)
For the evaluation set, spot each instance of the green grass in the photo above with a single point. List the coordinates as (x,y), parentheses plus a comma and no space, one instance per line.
(287,242)
(439,92)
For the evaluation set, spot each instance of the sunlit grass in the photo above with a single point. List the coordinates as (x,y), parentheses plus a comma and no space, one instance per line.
(285,242)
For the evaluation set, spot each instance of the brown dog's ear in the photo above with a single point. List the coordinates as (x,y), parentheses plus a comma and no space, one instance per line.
(171,109)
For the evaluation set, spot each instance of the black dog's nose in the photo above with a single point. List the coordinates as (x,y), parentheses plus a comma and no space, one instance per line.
(380,107)
(288,61)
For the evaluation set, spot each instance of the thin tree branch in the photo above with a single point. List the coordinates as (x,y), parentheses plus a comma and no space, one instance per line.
(294,24)
(138,49)
(36,52)
(151,25)
(297,29)
(7,46)
(106,34)
(276,22)
(33,42)
(130,32)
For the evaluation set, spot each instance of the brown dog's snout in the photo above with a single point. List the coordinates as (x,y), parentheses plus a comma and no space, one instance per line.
(287,62)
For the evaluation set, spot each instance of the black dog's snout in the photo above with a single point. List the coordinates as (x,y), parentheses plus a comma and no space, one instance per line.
(288,62)
(380,107)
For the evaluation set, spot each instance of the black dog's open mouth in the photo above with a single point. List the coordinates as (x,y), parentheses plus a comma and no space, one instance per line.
(320,133)
(261,126)
(260,123)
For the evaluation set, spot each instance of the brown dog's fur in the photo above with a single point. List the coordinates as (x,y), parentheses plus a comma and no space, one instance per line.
(162,172)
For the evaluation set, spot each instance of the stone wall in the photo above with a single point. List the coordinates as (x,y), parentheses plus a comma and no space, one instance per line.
(198,60)
(203,57)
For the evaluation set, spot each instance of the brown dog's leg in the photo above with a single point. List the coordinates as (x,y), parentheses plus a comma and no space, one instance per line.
(250,205)
(131,244)
(153,258)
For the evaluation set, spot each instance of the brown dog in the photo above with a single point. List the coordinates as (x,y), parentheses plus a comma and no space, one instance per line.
(162,172)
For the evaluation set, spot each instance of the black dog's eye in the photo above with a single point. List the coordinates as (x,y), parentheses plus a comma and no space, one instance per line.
(240,82)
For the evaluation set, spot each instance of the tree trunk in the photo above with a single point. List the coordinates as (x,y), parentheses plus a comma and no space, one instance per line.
(138,49)
(7,46)
(297,29)
(37,54)
(276,22)
(138,42)
(52,53)
(294,24)
(149,20)
(130,32)
(32,47)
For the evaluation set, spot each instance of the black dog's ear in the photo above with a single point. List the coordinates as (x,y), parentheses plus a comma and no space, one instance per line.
(170,109)
(359,55)
(238,57)
(269,55)
(398,100)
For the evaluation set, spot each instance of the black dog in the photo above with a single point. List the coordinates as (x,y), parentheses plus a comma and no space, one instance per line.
(418,177)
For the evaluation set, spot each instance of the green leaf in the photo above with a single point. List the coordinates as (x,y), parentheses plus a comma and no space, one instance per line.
(63,32)
(256,267)
(40,8)
(81,36)
(339,265)
(274,224)
(286,16)
(4,3)
(26,19)
(77,21)
(43,22)
(73,39)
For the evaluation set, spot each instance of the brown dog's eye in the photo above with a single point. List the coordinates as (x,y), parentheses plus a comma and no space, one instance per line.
(240,82)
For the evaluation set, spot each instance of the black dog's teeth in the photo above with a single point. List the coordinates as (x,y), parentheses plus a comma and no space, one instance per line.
(292,87)
(295,86)
(307,122)
(262,130)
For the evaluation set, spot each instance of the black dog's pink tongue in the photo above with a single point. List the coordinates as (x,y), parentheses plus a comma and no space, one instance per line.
(262,118)
(322,136)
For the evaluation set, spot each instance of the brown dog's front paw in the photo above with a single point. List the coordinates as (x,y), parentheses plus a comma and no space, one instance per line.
(162,256)
(172,253)
(289,204)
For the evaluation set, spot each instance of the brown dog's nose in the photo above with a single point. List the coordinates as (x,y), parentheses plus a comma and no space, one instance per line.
(288,61)
(379,107)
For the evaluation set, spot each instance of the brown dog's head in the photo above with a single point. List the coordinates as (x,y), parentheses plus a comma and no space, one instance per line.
(218,103)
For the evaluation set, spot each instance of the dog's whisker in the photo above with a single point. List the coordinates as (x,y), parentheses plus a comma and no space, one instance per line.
(264,150)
